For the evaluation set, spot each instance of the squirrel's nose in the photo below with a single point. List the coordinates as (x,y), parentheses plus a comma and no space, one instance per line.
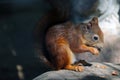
(100,49)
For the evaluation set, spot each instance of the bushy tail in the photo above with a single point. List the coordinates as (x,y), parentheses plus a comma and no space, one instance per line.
(51,18)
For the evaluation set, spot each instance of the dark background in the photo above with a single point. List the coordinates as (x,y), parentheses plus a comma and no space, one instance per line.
(18,19)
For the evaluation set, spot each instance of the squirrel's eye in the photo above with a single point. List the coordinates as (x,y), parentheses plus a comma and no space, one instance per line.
(95,37)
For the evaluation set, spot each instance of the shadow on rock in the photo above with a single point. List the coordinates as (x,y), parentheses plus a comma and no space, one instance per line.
(92,77)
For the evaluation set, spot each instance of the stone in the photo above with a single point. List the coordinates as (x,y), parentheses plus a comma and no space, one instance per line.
(93,72)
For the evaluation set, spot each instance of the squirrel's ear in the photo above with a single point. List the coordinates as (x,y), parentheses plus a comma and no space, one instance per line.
(95,19)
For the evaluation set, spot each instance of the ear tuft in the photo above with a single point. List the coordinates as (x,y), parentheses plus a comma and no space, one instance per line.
(95,19)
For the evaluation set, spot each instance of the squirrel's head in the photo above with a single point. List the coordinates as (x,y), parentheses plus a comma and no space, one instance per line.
(92,34)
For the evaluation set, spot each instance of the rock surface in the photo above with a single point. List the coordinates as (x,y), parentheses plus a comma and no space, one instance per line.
(97,71)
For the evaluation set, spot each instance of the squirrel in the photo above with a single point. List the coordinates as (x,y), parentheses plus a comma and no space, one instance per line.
(57,39)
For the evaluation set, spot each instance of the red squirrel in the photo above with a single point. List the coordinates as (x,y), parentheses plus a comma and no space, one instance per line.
(61,41)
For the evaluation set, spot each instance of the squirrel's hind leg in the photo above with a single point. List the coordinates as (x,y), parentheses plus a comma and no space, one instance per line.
(65,57)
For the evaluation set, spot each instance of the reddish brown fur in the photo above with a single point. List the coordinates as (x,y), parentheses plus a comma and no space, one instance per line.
(65,39)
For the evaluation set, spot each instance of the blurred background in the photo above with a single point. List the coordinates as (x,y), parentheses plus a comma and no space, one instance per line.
(18,18)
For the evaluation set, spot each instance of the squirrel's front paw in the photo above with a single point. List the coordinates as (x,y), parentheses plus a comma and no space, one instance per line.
(94,51)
